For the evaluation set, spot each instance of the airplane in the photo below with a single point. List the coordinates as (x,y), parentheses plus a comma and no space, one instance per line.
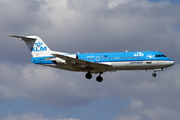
(95,63)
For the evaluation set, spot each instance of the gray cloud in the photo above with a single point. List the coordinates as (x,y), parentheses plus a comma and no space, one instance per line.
(92,26)
(80,26)
(57,87)
(31,116)
(139,25)
(18,16)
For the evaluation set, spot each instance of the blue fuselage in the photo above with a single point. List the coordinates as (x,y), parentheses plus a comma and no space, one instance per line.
(123,56)
(140,60)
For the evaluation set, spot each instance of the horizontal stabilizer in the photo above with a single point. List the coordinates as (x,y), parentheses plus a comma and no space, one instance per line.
(22,38)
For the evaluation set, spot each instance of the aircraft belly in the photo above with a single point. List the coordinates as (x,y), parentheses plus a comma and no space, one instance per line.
(125,65)
(135,65)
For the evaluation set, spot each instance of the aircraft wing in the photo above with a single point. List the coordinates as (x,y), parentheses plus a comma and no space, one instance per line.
(97,67)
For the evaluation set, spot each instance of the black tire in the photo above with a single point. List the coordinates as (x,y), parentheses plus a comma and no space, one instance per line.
(99,79)
(154,75)
(88,75)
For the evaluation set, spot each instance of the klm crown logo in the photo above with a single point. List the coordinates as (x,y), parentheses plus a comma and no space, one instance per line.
(38,47)
(38,44)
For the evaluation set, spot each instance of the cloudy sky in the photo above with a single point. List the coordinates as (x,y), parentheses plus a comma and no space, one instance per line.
(32,92)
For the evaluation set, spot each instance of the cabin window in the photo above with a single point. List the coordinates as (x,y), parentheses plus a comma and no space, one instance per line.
(159,55)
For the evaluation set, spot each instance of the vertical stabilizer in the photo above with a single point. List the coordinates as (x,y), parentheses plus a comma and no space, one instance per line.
(36,46)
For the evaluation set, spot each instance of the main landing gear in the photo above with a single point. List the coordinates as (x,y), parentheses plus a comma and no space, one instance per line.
(98,78)
(88,75)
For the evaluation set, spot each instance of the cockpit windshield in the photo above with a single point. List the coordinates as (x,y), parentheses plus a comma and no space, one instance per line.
(160,56)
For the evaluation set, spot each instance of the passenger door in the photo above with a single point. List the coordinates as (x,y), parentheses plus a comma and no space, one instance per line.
(148,59)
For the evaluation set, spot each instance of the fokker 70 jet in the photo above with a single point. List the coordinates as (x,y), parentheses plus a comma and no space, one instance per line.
(95,63)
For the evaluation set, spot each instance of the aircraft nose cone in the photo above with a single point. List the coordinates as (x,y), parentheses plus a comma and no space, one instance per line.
(167,63)
(170,63)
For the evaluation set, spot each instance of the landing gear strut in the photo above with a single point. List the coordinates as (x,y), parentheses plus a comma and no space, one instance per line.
(159,69)
(99,78)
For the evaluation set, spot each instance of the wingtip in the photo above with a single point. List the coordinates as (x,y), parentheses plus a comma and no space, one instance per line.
(9,35)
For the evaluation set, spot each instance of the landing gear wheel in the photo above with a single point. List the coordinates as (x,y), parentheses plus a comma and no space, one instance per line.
(88,75)
(99,79)
(154,75)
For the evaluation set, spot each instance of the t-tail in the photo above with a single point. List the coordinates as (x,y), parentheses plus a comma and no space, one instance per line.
(36,46)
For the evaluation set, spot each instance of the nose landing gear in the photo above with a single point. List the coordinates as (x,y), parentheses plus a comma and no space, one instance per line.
(154,74)
(155,70)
